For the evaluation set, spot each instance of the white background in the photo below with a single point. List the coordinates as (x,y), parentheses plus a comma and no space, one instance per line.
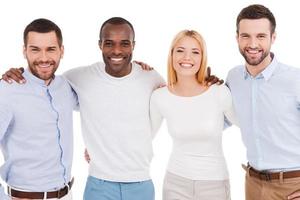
(156,23)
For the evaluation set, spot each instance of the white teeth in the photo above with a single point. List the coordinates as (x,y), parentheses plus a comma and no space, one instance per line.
(186,65)
(44,65)
(253,51)
(116,59)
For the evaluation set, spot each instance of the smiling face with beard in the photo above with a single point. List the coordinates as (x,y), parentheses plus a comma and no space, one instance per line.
(255,40)
(43,54)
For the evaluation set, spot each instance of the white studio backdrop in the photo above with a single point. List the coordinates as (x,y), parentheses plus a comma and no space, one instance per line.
(155,22)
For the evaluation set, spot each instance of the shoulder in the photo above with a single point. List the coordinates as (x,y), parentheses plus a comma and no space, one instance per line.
(288,76)
(8,91)
(237,70)
(220,90)
(6,88)
(81,72)
(221,93)
(288,70)
(151,74)
(160,93)
(62,81)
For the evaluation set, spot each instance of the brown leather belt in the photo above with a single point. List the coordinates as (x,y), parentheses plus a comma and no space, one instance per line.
(268,176)
(40,195)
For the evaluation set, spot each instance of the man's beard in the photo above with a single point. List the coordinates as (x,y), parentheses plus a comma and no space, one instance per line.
(254,62)
(33,68)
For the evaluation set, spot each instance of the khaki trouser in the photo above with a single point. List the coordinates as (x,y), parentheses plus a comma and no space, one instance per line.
(257,189)
(180,188)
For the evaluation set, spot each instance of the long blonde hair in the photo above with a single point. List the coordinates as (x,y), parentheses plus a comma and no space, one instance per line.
(201,74)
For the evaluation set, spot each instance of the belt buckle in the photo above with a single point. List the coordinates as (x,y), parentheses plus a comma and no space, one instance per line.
(266,176)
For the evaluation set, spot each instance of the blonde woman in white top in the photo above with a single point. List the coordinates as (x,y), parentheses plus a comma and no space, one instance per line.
(194,114)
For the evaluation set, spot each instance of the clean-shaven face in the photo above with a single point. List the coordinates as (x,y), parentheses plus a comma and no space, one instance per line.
(117,46)
(187,56)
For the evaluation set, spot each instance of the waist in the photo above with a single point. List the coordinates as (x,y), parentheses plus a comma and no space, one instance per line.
(124,174)
(267,175)
(202,168)
(41,195)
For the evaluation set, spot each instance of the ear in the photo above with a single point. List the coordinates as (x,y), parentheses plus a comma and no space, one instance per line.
(237,37)
(62,50)
(273,37)
(24,51)
(100,44)
(133,45)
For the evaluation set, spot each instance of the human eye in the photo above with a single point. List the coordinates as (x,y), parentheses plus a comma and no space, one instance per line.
(34,50)
(125,43)
(196,52)
(52,49)
(108,43)
(244,36)
(261,36)
(179,50)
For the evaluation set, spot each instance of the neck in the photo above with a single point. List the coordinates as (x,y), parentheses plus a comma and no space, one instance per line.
(120,73)
(254,70)
(187,86)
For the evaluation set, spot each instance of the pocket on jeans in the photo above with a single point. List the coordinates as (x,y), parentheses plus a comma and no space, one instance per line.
(94,183)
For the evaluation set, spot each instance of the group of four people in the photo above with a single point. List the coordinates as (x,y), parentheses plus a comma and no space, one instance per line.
(121,112)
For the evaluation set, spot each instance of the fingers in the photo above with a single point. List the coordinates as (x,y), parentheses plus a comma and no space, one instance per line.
(294,196)
(6,78)
(211,80)
(21,69)
(161,85)
(87,156)
(14,74)
(220,82)
(208,71)
(144,66)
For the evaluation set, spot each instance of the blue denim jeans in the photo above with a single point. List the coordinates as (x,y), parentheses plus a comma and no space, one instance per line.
(98,189)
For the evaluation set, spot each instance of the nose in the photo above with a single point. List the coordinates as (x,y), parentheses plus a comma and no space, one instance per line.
(253,43)
(117,49)
(44,56)
(187,55)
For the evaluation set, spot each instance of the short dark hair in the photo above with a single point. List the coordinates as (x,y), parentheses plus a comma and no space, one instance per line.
(116,21)
(256,11)
(43,26)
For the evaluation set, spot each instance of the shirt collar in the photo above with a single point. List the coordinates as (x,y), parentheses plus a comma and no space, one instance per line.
(267,72)
(29,76)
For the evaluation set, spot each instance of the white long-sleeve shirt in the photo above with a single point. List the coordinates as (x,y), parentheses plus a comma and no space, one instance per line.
(195,125)
(115,120)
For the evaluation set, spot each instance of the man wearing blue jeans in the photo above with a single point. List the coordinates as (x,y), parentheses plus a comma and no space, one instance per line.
(114,106)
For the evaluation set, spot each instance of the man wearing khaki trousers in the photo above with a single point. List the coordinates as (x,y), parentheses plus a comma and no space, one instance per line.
(266,97)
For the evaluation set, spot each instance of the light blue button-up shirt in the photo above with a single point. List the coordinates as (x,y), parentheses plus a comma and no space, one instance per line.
(268,110)
(36,133)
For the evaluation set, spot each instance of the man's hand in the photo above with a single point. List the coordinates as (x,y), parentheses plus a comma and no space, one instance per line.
(212,79)
(87,156)
(14,74)
(144,66)
(294,196)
